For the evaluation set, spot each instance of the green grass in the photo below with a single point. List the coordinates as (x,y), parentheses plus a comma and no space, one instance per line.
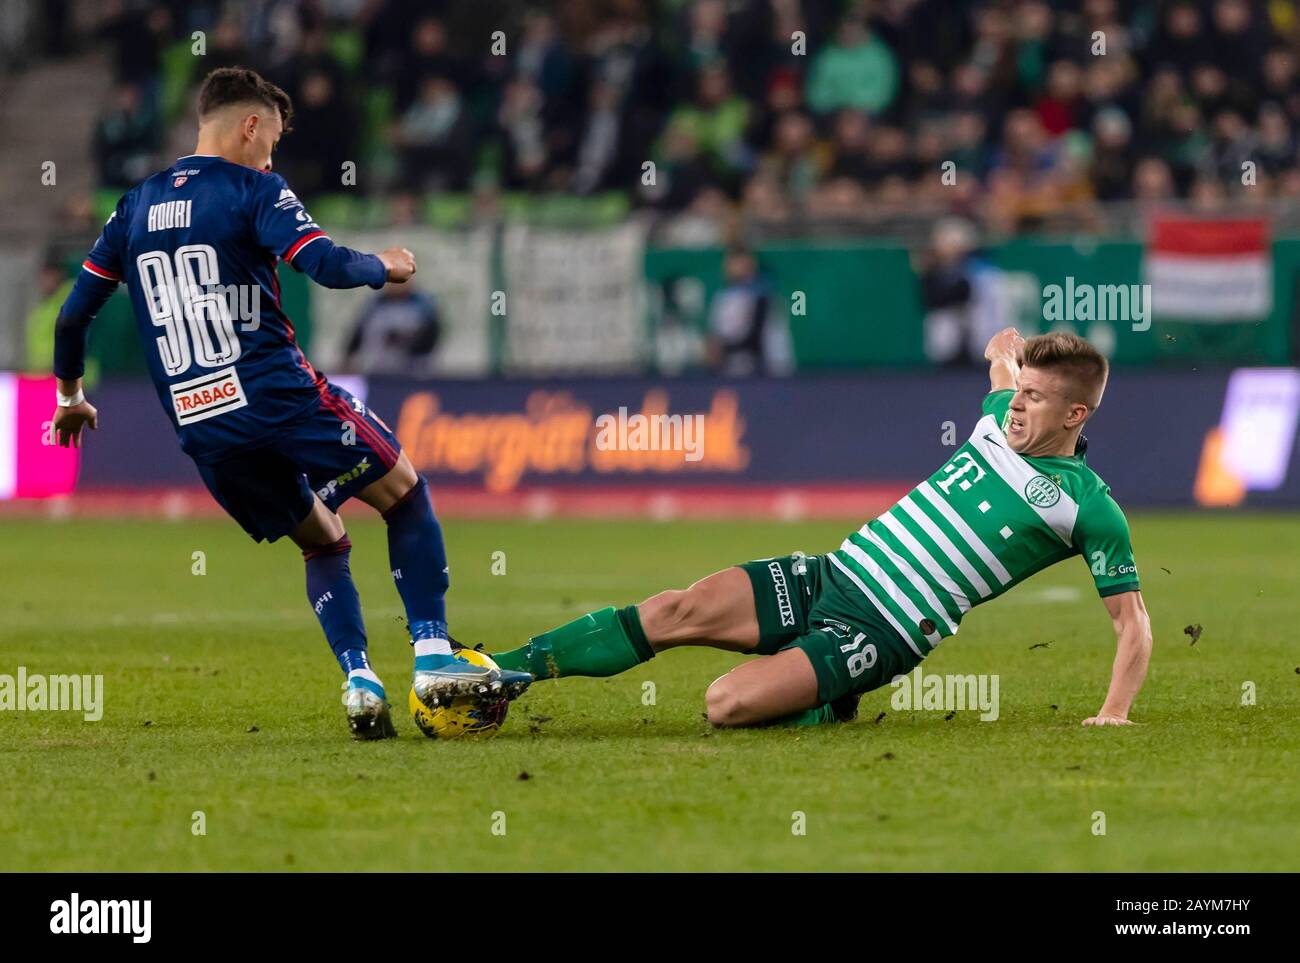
(192,662)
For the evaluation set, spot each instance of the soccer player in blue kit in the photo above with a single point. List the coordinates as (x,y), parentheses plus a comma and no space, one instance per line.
(278,446)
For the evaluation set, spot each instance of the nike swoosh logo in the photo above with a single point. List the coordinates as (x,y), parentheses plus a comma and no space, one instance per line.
(993,441)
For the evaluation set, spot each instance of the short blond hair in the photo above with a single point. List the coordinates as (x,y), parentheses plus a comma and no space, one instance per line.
(1083,366)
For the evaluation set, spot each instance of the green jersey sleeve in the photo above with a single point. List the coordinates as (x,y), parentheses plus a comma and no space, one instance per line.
(1101,535)
(997,404)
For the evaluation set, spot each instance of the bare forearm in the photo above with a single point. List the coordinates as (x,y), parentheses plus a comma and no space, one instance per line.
(1003,355)
(1129,671)
(1004,373)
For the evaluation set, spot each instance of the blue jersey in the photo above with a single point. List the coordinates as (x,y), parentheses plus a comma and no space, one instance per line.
(197,246)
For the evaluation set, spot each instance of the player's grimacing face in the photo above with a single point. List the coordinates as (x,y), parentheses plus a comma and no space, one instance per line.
(1041,411)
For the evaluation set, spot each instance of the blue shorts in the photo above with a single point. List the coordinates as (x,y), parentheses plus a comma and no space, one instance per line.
(334,452)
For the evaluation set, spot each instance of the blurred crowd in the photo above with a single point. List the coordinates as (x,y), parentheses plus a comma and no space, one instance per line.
(1008,112)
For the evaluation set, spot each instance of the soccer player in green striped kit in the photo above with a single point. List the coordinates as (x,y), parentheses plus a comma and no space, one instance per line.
(1014,499)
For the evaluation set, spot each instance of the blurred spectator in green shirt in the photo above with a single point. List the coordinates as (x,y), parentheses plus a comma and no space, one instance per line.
(53,285)
(858,70)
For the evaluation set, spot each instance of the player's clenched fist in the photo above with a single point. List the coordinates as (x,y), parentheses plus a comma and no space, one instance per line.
(69,421)
(1005,344)
(399,262)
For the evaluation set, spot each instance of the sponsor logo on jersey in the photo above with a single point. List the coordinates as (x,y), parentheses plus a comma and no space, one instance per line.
(1115,570)
(180,180)
(1042,492)
(330,487)
(782,594)
(836,628)
(207,396)
(287,200)
(963,463)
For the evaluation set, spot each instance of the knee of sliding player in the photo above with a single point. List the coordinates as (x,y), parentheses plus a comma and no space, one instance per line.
(724,703)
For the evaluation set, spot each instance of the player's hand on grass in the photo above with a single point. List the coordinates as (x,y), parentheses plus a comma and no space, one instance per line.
(69,421)
(1105,720)
(1004,345)
(399,262)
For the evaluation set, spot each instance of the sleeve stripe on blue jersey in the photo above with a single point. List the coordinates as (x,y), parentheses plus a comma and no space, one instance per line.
(99,271)
(302,242)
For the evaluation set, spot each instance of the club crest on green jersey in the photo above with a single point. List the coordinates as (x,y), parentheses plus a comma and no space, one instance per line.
(1042,492)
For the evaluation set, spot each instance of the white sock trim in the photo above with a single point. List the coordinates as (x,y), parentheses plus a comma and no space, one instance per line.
(432,647)
(368,674)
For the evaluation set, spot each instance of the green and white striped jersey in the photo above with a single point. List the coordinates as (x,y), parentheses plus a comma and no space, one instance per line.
(985,521)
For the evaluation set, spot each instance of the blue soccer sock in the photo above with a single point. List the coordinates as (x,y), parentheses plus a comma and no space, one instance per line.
(333,595)
(356,664)
(419,565)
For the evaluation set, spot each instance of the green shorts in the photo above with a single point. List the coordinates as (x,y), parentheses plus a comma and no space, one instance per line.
(851,649)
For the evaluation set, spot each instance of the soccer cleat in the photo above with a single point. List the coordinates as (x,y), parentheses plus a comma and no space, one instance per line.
(845,708)
(441,679)
(367,711)
(513,684)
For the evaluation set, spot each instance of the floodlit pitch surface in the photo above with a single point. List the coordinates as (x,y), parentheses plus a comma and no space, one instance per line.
(221,699)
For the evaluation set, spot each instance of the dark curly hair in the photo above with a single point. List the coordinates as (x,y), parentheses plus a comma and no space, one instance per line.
(239,85)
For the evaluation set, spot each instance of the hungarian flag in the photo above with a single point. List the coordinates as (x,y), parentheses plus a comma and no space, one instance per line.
(1209,270)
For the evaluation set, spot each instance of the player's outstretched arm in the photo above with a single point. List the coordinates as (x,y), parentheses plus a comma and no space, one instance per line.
(1128,613)
(335,266)
(73,412)
(1003,354)
(284,228)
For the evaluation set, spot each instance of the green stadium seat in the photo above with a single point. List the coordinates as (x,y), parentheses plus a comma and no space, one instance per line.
(374,212)
(177,72)
(609,208)
(348,48)
(377,116)
(448,210)
(516,206)
(105,202)
(338,210)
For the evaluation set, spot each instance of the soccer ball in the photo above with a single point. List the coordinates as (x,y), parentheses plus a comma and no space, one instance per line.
(467,716)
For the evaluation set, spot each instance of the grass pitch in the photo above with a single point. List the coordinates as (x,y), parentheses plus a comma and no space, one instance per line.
(221,698)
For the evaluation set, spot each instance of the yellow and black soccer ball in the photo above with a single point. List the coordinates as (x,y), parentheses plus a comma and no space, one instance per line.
(467,716)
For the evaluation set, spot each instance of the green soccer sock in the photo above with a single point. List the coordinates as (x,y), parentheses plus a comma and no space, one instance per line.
(602,643)
(820,716)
